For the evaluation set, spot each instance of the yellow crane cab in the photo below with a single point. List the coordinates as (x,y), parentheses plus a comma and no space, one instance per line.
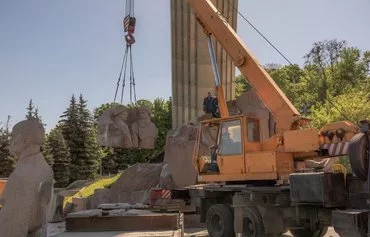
(231,149)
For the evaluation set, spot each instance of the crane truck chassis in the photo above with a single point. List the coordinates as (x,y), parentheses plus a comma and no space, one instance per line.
(251,187)
(247,186)
(307,206)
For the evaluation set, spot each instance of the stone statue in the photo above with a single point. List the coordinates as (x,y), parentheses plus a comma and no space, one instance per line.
(25,200)
(113,130)
(143,131)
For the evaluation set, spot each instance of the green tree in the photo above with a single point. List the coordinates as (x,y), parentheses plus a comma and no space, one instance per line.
(7,161)
(46,151)
(108,161)
(37,115)
(320,61)
(60,155)
(289,79)
(241,85)
(69,127)
(91,153)
(334,68)
(79,132)
(352,106)
(30,110)
(162,118)
(33,112)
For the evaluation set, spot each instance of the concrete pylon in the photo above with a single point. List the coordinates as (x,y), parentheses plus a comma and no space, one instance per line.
(192,75)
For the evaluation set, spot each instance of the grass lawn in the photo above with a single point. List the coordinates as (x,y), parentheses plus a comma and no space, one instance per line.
(89,190)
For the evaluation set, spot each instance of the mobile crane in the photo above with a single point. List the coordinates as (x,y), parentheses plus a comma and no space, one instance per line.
(255,190)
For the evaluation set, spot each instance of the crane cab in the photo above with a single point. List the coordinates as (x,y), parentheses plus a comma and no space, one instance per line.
(231,149)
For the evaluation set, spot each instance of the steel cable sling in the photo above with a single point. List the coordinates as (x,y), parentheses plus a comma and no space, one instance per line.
(129,23)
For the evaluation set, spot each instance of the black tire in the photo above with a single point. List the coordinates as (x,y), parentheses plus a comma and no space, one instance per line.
(253,223)
(220,221)
(358,155)
(305,233)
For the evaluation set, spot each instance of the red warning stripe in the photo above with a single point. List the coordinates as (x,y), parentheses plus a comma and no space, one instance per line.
(166,194)
(126,22)
(335,149)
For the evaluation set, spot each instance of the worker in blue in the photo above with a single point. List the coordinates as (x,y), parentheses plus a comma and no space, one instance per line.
(210,105)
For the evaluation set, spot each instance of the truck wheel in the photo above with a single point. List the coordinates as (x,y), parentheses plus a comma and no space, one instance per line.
(253,223)
(305,233)
(220,221)
(358,155)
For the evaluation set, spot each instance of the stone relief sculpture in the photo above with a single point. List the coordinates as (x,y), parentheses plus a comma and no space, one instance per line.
(127,128)
(113,130)
(143,131)
(25,200)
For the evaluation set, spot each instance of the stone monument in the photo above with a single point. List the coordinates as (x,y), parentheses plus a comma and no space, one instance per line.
(143,131)
(25,200)
(113,130)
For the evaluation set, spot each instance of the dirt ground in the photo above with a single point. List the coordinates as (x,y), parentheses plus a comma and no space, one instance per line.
(57,230)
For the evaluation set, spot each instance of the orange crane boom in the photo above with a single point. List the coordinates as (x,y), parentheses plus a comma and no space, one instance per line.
(213,23)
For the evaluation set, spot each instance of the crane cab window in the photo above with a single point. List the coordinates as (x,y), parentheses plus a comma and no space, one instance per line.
(230,138)
(253,130)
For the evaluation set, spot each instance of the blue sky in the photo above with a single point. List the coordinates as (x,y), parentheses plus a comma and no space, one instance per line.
(50,50)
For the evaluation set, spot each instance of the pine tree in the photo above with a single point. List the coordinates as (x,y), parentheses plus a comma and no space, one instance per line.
(58,149)
(69,126)
(90,152)
(7,161)
(36,114)
(69,122)
(33,113)
(46,151)
(80,135)
(108,161)
(30,110)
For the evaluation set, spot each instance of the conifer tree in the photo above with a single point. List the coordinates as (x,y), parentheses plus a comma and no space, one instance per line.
(80,135)
(57,147)
(30,110)
(33,113)
(7,161)
(90,150)
(46,151)
(69,126)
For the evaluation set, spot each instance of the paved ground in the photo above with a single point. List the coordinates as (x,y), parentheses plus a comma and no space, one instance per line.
(57,230)
(330,233)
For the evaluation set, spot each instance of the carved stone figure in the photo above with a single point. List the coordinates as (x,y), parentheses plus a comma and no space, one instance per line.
(25,200)
(113,130)
(143,131)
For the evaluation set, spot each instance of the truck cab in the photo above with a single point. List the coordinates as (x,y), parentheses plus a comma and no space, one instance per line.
(234,145)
